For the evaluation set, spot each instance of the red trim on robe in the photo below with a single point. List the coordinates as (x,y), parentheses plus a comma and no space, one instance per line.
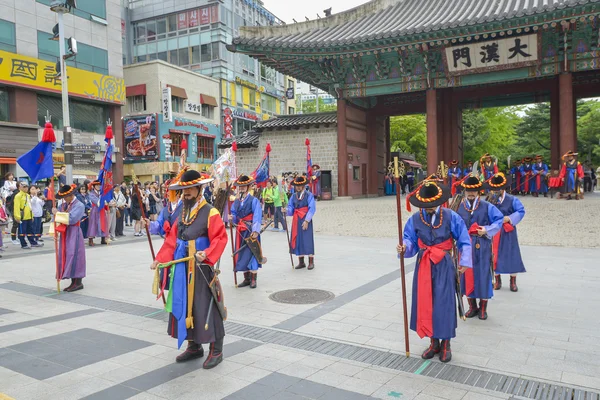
(508,227)
(299,213)
(469,275)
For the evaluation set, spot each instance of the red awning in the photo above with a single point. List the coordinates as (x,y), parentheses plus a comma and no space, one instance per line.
(179,131)
(206,136)
(8,160)
(208,100)
(413,164)
(136,90)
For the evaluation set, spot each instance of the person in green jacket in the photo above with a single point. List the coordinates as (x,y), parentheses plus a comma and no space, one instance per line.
(279,198)
(24,217)
(268,197)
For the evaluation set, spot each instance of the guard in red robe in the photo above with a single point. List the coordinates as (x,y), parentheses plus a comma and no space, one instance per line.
(571,173)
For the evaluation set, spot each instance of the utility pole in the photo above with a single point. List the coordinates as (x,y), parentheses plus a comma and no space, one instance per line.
(61,7)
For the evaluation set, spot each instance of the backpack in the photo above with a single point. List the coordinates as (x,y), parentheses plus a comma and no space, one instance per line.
(10,201)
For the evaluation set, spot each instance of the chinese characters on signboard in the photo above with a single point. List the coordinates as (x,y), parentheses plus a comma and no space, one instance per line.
(167,105)
(505,53)
(191,107)
(140,137)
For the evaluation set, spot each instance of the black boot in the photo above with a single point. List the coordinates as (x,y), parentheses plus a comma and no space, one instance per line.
(483,309)
(432,350)
(103,241)
(253,281)
(513,284)
(77,285)
(498,284)
(445,351)
(91,242)
(68,288)
(301,264)
(192,352)
(215,355)
(311,262)
(473,310)
(246,281)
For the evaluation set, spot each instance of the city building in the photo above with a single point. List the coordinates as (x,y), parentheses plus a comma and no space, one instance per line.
(162,122)
(194,35)
(30,87)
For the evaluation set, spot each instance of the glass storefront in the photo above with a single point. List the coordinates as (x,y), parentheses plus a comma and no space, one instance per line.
(89,117)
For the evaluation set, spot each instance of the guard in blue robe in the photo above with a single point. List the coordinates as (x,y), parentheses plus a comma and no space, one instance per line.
(488,166)
(468,169)
(483,220)
(505,245)
(454,172)
(246,214)
(526,175)
(571,174)
(302,208)
(194,314)
(538,181)
(431,235)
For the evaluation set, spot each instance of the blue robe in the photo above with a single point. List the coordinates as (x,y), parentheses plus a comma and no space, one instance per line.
(96,226)
(526,179)
(158,227)
(454,174)
(488,216)
(71,247)
(513,176)
(248,208)
(85,200)
(390,186)
(443,274)
(539,170)
(467,171)
(509,259)
(305,243)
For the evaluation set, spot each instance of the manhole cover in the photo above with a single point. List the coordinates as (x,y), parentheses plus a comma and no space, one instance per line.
(302,296)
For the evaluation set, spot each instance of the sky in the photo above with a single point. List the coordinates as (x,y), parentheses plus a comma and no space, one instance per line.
(288,9)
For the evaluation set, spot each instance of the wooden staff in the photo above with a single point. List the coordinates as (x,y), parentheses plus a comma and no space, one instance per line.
(230,229)
(397,174)
(58,273)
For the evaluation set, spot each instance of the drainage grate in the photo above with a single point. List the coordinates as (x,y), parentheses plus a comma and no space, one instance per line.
(512,385)
(302,296)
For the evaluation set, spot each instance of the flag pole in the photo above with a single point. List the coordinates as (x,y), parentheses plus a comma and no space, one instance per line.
(55,236)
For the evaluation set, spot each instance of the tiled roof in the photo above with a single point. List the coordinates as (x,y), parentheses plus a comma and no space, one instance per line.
(297,120)
(388,19)
(245,140)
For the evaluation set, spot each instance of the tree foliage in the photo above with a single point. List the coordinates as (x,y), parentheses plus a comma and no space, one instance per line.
(588,132)
(408,134)
(310,106)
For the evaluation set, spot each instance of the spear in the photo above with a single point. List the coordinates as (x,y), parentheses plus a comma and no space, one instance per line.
(398,172)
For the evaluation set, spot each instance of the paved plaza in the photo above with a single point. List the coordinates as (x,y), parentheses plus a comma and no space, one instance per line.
(109,341)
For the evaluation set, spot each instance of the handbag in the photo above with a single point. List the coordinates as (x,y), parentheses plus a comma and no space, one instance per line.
(118,213)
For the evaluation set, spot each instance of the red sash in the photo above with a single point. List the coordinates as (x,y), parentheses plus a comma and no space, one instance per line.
(527,179)
(299,213)
(469,277)
(508,227)
(241,227)
(431,255)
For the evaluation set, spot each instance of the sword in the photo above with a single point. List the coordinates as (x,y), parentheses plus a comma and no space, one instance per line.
(246,244)
(210,306)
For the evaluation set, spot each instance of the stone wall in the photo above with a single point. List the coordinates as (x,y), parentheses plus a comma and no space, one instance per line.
(289,152)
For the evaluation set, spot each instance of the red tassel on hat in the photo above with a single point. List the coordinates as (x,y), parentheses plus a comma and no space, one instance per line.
(184,144)
(268,147)
(109,133)
(234,146)
(48,136)
(307,142)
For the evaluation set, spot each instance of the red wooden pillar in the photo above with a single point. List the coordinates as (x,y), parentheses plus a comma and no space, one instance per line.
(373,130)
(432,131)
(555,150)
(342,149)
(568,132)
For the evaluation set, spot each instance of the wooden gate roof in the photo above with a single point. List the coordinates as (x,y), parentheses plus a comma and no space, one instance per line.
(389,19)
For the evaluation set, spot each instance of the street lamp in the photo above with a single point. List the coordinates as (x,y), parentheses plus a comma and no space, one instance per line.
(61,7)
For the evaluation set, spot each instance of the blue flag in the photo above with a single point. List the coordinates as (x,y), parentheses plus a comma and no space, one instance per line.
(37,162)
(105,176)
(261,174)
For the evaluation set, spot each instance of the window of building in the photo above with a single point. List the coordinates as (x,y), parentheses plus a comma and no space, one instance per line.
(195,54)
(184,57)
(86,8)
(290,83)
(139,33)
(242,126)
(291,110)
(4,110)
(173,57)
(89,117)
(208,111)
(7,36)
(151,30)
(238,95)
(161,28)
(162,56)
(177,104)
(205,52)
(88,57)
(176,139)
(215,51)
(268,103)
(136,104)
(206,148)
(172,25)
(252,99)
(356,173)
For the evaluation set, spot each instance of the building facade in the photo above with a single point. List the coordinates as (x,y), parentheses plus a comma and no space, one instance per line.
(194,35)
(30,88)
(166,105)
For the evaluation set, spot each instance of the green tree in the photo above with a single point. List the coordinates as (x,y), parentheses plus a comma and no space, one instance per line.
(533,133)
(408,134)
(588,131)
(310,106)
(489,130)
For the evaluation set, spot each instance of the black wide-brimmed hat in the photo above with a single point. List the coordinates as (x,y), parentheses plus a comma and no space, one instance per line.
(430,195)
(496,182)
(191,178)
(66,190)
(453,162)
(472,182)
(243,180)
(300,181)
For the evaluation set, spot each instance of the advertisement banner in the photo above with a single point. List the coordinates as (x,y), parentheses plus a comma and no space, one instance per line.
(167,105)
(140,137)
(193,18)
(214,13)
(205,16)
(182,21)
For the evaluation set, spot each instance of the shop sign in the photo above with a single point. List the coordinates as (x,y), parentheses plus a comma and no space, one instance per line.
(192,107)
(140,137)
(41,75)
(245,115)
(289,93)
(167,105)
(179,123)
(246,83)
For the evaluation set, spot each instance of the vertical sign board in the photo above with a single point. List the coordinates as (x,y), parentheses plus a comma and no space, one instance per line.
(167,105)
